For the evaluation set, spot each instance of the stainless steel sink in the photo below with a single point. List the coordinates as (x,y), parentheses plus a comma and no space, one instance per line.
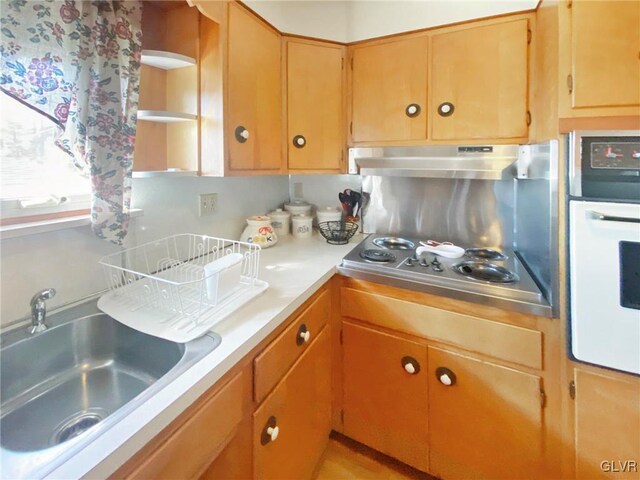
(61,388)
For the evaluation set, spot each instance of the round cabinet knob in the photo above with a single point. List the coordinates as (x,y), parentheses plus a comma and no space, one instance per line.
(445,376)
(446,109)
(299,141)
(241,134)
(410,365)
(304,335)
(273,432)
(412,110)
(270,431)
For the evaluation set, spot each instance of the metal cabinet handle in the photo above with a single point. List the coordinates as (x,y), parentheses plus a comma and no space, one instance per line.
(446,109)
(241,134)
(611,218)
(270,432)
(410,365)
(412,110)
(299,141)
(304,335)
(446,376)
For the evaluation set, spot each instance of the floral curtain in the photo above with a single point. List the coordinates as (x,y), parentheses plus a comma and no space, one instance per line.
(78,63)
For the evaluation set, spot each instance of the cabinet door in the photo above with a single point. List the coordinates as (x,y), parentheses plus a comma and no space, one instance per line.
(387,79)
(314,106)
(479,82)
(607,426)
(254,93)
(605,45)
(385,401)
(187,451)
(485,420)
(298,412)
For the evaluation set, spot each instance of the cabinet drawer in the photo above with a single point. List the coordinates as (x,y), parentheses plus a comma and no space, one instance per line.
(193,446)
(507,342)
(300,409)
(277,358)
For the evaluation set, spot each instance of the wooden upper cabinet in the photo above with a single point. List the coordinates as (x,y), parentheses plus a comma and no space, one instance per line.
(254,95)
(387,79)
(485,419)
(605,51)
(315,139)
(479,82)
(385,401)
(607,425)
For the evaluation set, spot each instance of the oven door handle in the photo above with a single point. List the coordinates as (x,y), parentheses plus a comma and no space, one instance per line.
(611,218)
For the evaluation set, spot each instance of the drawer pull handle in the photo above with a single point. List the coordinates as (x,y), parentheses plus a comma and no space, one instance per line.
(410,365)
(270,431)
(273,432)
(304,335)
(446,109)
(412,110)
(299,141)
(445,376)
(241,134)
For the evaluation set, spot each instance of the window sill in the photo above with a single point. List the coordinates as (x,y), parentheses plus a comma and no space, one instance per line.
(31,228)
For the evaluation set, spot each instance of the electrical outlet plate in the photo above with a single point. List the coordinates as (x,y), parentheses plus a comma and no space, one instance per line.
(297,190)
(208,203)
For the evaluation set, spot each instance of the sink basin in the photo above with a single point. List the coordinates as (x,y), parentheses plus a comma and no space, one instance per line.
(61,388)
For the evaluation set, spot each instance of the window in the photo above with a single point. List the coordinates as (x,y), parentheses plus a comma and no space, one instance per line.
(36,177)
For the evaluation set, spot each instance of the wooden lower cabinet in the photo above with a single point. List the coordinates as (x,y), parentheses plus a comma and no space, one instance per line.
(606,425)
(385,402)
(485,419)
(292,426)
(188,446)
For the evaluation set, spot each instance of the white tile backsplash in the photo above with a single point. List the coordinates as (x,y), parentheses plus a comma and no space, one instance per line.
(67,260)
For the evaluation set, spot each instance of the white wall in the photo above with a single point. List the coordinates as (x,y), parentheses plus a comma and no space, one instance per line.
(369,19)
(322,190)
(67,260)
(348,21)
(313,18)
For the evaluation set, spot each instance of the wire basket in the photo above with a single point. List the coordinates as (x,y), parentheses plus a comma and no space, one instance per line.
(165,288)
(337,232)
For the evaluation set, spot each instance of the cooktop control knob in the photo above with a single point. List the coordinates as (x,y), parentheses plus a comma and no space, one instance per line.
(437,266)
(410,262)
(424,263)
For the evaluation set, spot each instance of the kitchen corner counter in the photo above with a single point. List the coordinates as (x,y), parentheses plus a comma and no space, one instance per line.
(294,269)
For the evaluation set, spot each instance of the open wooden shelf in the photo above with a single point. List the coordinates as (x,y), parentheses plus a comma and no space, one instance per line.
(166,60)
(171,172)
(162,116)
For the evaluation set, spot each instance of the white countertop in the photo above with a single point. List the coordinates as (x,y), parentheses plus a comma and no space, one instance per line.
(294,269)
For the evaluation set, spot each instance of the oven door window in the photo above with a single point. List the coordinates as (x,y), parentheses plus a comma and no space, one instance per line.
(630,275)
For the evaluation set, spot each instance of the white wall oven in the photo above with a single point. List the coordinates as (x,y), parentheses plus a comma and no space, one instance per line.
(604,248)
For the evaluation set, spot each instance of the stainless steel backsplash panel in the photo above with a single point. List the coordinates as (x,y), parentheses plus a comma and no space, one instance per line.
(536,218)
(470,212)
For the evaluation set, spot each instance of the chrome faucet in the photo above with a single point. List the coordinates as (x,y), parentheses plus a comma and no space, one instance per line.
(39,310)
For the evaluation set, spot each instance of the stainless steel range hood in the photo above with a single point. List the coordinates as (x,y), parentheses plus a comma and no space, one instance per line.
(487,162)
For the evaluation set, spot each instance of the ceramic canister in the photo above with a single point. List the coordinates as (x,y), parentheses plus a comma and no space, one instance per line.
(259,231)
(298,207)
(329,214)
(301,226)
(281,222)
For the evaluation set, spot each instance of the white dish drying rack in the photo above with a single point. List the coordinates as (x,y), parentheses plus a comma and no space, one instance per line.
(179,287)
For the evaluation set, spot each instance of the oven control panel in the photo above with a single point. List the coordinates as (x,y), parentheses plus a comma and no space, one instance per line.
(615,155)
(605,165)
